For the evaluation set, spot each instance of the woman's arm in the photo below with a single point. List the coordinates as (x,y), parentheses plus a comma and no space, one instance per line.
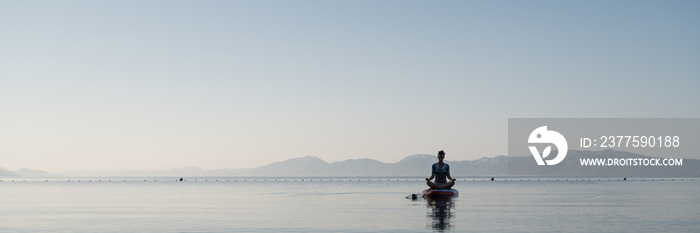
(448,173)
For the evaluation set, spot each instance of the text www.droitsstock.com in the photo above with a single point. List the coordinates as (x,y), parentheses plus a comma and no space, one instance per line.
(631,162)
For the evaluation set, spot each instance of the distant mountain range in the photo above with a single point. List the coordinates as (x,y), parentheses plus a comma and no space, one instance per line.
(24,172)
(413,165)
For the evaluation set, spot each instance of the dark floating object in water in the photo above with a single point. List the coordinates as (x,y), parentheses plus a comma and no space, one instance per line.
(414,196)
(491,178)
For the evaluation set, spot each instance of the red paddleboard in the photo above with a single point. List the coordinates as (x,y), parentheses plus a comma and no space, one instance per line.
(440,192)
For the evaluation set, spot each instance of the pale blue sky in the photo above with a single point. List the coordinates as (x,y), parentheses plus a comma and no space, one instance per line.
(232,84)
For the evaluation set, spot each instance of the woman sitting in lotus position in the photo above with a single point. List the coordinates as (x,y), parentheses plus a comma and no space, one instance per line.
(441,173)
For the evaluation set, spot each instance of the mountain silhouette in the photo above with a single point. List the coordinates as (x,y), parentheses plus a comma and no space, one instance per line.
(7,173)
(417,165)
(26,172)
(412,165)
(303,166)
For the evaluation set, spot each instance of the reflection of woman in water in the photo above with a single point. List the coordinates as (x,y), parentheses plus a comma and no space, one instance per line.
(441,173)
(440,212)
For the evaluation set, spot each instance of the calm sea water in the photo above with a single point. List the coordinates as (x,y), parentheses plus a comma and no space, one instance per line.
(215,204)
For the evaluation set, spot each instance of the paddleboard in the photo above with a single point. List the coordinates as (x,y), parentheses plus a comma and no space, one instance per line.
(440,192)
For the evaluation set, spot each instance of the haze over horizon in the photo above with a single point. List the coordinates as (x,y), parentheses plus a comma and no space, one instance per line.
(234,84)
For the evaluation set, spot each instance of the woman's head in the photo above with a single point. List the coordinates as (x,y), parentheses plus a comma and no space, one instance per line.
(441,154)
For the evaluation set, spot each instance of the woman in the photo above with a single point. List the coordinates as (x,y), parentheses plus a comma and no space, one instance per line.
(441,172)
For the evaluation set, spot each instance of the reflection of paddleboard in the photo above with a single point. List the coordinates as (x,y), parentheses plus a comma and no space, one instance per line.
(440,192)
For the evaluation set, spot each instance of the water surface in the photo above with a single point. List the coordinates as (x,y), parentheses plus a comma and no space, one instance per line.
(216,204)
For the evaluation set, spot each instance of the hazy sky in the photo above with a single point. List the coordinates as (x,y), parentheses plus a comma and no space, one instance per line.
(90,85)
